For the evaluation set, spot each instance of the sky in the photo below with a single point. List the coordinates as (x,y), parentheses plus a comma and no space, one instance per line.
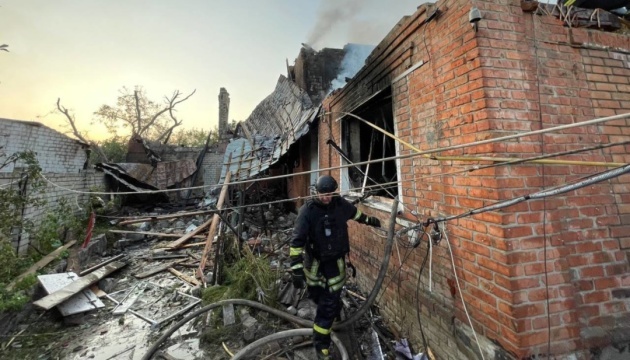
(86,51)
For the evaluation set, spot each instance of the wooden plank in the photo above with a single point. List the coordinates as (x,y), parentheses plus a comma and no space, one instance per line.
(179,242)
(61,295)
(155,270)
(148,233)
(41,263)
(184,277)
(163,217)
(213,227)
(87,271)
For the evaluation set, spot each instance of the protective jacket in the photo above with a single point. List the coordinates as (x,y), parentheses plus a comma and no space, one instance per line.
(322,230)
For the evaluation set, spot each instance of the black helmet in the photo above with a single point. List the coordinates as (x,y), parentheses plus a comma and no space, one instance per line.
(326,184)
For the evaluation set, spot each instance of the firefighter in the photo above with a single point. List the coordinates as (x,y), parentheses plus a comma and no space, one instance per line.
(319,245)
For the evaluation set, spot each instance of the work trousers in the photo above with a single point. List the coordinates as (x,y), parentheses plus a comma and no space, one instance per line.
(325,281)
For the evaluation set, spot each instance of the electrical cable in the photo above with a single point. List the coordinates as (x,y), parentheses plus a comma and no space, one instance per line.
(418,305)
(544,200)
(448,243)
(411,155)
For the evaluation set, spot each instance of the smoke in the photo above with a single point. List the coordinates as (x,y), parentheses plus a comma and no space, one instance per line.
(330,14)
(352,62)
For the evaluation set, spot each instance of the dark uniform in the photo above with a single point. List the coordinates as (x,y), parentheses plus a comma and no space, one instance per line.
(321,233)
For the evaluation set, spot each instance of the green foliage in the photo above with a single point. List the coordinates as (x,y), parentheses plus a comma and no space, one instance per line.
(115,148)
(20,194)
(194,137)
(250,277)
(47,236)
(12,266)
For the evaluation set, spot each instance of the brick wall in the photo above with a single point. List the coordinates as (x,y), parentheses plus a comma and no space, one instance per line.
(519,72)
(62,160)
(211,167)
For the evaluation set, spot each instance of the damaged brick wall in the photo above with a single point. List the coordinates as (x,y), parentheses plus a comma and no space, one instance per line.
(62,160)
(315,70)
(520,72)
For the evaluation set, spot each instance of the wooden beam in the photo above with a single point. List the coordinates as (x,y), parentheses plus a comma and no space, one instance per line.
(163,217)
(63,294)
(148,233)
(213,227)
(41,263)
(179,242)
(87,271)
(156,270)
(184,277)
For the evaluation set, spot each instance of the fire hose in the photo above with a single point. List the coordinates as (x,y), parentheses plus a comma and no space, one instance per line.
(286,316)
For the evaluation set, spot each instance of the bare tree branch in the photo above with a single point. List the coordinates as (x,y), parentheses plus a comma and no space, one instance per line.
(172,102)
(138,117)
(76,132)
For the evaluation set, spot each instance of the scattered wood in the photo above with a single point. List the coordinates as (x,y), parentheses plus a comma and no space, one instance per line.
(166,257)
(81,283)
(97,291)
(89,270)
(164,217)
(184,277)
(179,242)
(149,233)
(213,227)
(187,246)
(157,269)
(356,295)
(41,263)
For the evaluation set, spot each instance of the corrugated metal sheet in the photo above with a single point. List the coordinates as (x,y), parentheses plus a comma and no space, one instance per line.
(276,123)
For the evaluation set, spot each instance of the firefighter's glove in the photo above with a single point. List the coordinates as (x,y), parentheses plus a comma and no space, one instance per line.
(372,221)
(298,278)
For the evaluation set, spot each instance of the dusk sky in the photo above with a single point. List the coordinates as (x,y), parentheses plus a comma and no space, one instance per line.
(85,51)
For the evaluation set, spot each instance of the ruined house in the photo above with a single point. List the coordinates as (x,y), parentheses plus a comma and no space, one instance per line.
(63,162)
(541,277)
(538,277)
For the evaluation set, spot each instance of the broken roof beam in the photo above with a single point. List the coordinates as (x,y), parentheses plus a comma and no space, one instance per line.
(213,227)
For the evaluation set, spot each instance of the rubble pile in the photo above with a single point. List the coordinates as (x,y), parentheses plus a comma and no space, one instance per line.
(147,273)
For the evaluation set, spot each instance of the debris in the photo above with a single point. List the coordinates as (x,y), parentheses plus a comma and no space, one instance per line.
(163,217)
(179,242)
(155,270)
(154,234)
(89,270)
(227,350)
(129,299)
(184,277)
(121,352)
(41,263)
(228,315)
(79,303)
(213,227)
(76,286)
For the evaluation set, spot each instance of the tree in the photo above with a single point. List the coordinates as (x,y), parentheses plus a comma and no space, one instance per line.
(136,114)
(194,137)
(143,117)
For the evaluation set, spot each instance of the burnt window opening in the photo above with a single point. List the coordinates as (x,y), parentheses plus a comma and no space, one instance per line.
(361,143)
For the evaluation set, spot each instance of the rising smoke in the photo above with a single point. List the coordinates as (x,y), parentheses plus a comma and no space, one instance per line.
(330,14)
(352,62)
